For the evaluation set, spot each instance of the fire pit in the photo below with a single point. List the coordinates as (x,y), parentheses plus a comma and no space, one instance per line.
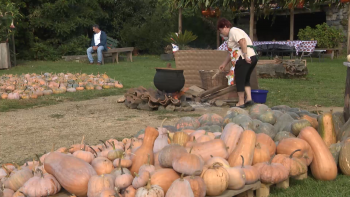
(151,99)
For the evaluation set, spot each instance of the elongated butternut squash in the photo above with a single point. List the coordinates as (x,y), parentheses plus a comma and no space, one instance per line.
(245,147)
(323,166)
(326,129)
(141,154)
(231,135)
(215,148)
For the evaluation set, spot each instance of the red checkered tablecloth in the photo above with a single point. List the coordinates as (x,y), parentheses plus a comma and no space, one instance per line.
(300,45)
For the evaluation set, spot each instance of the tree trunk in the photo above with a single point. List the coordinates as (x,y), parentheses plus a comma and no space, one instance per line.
(180,20)
(5,60)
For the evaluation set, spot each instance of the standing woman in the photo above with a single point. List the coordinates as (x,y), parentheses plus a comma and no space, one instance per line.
(243,58)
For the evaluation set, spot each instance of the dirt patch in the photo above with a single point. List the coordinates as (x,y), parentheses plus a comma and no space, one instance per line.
(24,133)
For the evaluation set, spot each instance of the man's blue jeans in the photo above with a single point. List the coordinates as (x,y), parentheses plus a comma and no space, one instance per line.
(99,54)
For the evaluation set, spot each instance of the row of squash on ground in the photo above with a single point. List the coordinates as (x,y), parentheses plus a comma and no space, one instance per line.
(190,163)
(32,86)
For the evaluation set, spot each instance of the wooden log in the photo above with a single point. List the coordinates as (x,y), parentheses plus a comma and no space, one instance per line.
(211,90)
(219,93)
(347,93)
(263,191)
(286,69)
(301,177)
(250,188)
(283,184)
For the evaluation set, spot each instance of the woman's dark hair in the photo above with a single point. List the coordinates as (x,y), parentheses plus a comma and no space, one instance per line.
(223,22)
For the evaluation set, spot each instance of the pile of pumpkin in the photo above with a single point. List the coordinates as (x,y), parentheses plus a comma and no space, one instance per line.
(32,86)
(195,158)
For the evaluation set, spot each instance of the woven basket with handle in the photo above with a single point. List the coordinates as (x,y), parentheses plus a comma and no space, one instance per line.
(213,78)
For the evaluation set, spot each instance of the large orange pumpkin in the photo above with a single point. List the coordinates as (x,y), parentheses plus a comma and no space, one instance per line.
(245,147)
(289,145)
(72,173)
(323,166)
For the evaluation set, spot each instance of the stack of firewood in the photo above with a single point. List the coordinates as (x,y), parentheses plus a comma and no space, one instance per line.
(151,99)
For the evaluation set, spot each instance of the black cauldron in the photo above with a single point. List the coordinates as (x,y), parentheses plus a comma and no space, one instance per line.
(169,80)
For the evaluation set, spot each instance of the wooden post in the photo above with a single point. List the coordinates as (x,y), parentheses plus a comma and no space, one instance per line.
(217,38)
(251,26)
(180,20)
(347,93)
(291,37)
(254,84)
(348,30)
(14,50)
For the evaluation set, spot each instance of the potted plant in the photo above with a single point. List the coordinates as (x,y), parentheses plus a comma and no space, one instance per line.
(181,40)
(7,15)
(326,36)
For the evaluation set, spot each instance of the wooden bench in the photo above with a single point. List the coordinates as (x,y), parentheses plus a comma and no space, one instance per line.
(115,53)
(112,45)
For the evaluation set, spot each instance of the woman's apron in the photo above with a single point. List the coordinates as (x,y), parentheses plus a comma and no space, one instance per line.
(234,57)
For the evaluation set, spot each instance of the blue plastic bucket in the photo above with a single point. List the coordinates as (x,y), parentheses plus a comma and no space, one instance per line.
(259,96)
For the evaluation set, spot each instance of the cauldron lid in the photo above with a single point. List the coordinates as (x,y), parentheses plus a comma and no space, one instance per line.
(158,68)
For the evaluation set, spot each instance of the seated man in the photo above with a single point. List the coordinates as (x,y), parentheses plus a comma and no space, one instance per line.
(98,43)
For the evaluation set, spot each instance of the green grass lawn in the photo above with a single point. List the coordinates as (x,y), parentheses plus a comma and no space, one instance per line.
(323,86)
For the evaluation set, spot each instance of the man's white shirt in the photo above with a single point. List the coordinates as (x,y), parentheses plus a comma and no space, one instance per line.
(97,38)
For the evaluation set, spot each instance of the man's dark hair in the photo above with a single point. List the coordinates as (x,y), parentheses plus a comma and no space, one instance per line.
(96,26)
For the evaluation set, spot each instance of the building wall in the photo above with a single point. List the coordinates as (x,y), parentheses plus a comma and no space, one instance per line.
(338,18)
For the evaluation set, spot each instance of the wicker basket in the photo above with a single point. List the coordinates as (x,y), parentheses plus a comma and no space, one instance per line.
(210,81)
